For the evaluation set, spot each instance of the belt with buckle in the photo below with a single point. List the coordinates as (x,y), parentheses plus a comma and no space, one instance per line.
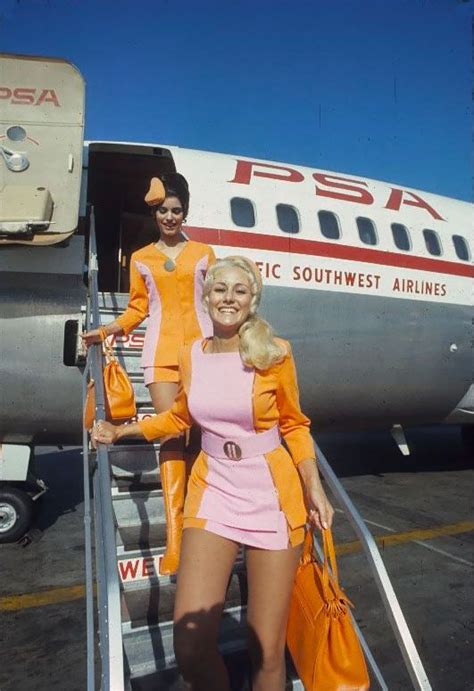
(238,448)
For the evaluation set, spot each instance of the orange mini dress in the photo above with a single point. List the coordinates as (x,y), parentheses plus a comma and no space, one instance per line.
(252,495)
(169,293)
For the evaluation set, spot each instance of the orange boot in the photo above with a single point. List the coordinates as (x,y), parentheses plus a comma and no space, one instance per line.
(173,483)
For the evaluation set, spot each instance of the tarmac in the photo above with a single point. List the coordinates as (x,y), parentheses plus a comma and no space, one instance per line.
(419,507)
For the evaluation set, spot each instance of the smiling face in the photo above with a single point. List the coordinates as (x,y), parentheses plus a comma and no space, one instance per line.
(229,300)
(169,217)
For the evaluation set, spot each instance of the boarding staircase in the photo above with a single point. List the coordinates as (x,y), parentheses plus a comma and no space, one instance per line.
(147,598)
(135,603)
(134,606)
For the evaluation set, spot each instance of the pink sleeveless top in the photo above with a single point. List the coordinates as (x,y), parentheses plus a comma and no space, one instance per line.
(239,494)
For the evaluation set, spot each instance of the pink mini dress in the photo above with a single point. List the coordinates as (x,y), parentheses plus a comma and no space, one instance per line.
(239,501)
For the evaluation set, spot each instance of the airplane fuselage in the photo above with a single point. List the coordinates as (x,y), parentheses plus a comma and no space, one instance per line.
(370,281)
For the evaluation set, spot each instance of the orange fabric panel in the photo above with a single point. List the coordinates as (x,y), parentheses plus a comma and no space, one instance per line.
(296,536)
(194,523)
(137,309)
(174,290)
(288,486)
(184,365)
(196,487)
(277,401)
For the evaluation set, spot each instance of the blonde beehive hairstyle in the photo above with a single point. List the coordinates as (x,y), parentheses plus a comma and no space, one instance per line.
(258,347)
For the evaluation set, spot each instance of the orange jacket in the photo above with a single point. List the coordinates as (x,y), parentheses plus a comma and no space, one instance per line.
(275,402)
(171,299)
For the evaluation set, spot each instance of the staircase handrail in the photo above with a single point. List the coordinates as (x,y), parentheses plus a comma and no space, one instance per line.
(395,615)
(107,576)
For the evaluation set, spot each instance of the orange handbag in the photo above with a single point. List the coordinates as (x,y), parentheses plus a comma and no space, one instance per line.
(118,390)
(320,634)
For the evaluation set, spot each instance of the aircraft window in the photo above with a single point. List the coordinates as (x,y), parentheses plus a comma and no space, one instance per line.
(461,248)
(242,212)
(401,237)
(432,242)
(288,220)
(329,225)
(367,232)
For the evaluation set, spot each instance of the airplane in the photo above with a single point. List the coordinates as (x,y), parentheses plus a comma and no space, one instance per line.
(370,281)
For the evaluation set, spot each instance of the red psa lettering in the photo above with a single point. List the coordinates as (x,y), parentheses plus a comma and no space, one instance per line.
(245,170)
(397,198)
(23,96)
(137,340)
(5,92)
(334,182)
(48,96)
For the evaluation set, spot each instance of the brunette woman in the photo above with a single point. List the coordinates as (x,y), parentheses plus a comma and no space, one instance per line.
(166,285)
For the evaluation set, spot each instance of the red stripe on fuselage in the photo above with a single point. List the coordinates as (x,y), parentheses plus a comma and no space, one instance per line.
(236,238)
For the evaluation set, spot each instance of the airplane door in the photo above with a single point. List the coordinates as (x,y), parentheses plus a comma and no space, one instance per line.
(41,142)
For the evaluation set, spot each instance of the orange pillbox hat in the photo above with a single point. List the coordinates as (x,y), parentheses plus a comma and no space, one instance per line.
(156,194)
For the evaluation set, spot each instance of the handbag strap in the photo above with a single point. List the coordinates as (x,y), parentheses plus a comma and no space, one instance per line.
(330,558)
(308,554)
(330,584)
(107,349)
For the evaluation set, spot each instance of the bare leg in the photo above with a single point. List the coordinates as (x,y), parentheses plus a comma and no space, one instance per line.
(173,478)
(270,579)
(206,564)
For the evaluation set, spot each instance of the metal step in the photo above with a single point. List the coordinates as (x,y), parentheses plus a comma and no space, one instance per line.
(238,667)
(113,301)
(149,650)
(139,568)
(140,536)
(147,480)
(150,603)
(135,467)
(140,507)
(170,679)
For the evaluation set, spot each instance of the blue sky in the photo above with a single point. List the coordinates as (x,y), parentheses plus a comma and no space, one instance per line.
(380,88)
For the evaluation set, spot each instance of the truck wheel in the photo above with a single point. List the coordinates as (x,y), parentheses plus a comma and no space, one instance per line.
(16,510)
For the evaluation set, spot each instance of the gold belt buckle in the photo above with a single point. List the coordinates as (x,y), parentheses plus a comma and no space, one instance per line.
(232,451)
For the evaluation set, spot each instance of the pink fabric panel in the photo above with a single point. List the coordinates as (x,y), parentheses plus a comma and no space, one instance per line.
(154,318)
(220,397)
(202,316)
(254,538)
(239,494)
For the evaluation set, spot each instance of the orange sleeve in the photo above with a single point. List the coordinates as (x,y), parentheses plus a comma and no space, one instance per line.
(174,421)
(294,425)
(137,309)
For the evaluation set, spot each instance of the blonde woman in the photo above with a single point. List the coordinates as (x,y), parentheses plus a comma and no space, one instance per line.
(245,488)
